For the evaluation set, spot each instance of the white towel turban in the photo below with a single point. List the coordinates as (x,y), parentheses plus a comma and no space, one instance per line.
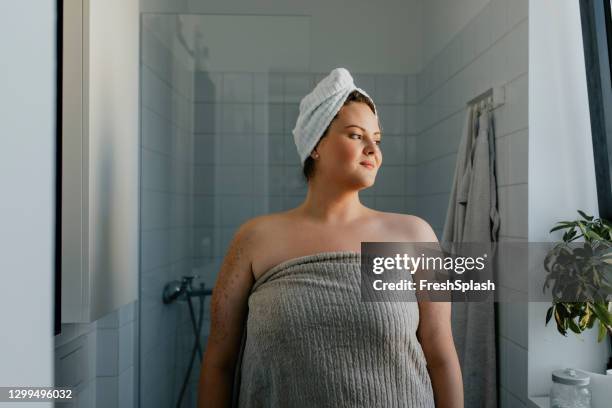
(318,108)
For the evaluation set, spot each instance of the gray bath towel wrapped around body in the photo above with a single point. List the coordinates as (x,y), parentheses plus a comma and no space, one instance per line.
(309,341)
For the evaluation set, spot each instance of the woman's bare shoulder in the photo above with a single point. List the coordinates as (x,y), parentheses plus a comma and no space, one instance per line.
(412,227)
(266,221)
(261,226)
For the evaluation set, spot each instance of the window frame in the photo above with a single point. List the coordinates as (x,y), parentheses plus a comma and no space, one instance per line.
(596,21)
(57,290)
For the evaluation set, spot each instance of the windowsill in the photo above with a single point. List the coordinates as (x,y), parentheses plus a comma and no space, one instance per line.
(539,402)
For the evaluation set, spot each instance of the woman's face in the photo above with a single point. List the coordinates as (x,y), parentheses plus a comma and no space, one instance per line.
(352,140)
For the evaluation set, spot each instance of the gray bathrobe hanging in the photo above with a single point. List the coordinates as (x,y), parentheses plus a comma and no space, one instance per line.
(472,216)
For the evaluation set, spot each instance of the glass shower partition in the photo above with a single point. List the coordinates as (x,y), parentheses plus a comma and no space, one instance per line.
(219,99)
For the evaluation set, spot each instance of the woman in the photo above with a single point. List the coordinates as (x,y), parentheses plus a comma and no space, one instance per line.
(286,329)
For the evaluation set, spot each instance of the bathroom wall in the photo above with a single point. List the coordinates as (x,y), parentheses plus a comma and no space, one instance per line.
(488,50)
(442,20)
(562,173)
(167,213)
(100,360)
(27,208)
(371,34)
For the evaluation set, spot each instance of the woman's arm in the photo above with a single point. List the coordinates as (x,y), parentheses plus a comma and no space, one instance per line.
(436,338)
(228,313)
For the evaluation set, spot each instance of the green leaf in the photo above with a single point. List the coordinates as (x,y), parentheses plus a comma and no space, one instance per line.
(593,235)
(602,314)
(602,332)
(588,217)
(584,320)
(559,227)
(561,318)
(549,314)
(562,225)
(573,326)
(591,321)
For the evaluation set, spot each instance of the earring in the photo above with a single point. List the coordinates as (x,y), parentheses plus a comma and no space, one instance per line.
(316,155)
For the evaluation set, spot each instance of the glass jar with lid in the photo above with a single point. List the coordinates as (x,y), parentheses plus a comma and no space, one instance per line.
(570,389)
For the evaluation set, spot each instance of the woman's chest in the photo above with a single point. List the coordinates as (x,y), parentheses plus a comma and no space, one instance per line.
(282,244)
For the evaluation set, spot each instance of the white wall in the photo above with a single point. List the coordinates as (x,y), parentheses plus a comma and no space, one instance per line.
(27,176)
(561,170)
(381,37)
(113,165)
(239,43)
(490,49)
(443,20)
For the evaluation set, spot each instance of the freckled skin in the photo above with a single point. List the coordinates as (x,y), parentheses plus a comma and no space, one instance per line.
(228,279)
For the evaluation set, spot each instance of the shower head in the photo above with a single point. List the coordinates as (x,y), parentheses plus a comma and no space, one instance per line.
(172,291)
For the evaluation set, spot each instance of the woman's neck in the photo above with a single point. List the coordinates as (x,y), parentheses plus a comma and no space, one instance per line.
(332,206)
